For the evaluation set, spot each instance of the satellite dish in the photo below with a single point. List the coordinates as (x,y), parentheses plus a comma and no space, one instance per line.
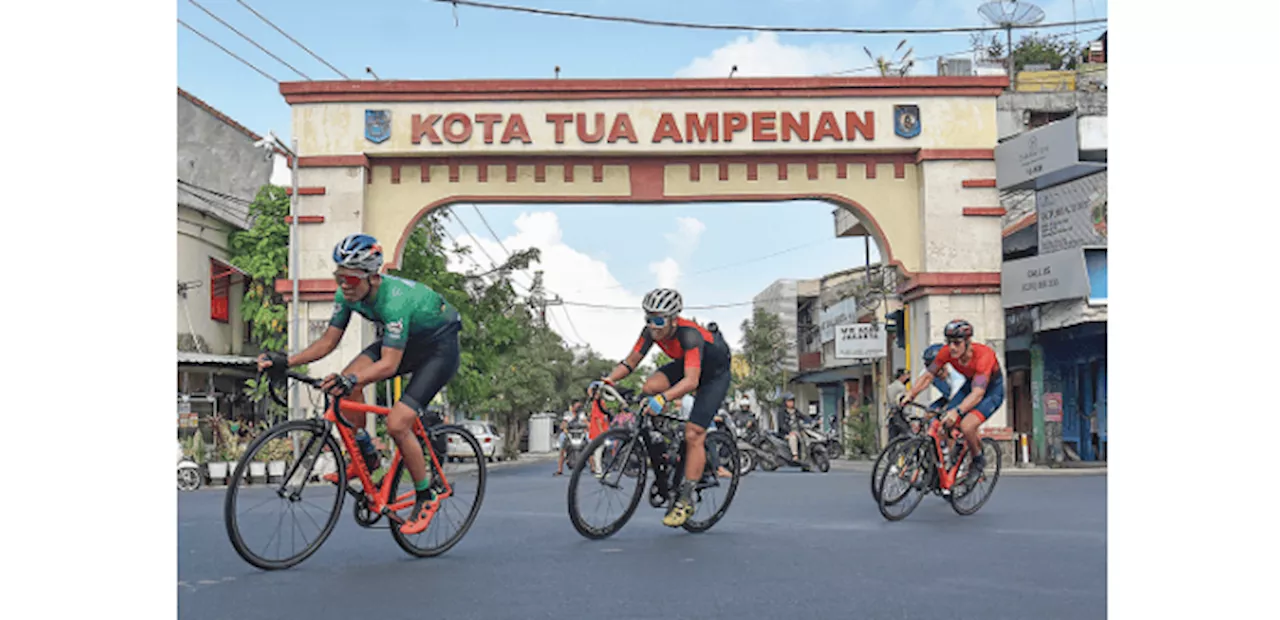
(1010,15)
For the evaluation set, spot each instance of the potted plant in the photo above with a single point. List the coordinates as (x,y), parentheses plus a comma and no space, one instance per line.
(274,455)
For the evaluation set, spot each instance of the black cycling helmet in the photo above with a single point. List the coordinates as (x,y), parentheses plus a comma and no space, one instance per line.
(958,328)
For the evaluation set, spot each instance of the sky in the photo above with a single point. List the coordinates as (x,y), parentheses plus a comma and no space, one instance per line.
(600,254)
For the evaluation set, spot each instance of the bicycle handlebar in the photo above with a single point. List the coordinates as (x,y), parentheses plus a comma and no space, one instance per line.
(611,393)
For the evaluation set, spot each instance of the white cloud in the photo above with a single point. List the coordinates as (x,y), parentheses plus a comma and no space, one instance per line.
(667,272)
(610,332)
(763,55)
(688,231)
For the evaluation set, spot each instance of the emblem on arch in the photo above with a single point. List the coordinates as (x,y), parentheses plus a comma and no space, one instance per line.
(377,125)
(906,120)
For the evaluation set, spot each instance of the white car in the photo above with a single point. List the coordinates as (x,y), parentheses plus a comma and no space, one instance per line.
(491,443)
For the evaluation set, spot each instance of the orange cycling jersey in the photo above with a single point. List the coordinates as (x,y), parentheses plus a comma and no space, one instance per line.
(981,369)
(692,343)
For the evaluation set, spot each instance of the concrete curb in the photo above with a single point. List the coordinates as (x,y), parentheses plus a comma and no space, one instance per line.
(1007,470)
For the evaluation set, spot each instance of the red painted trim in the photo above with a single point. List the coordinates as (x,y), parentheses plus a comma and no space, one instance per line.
(871,169)
(1020,224)
(332,161)
(568,171)
(842,169)
(539,173)
(984,211)
(978,183)
(724,171)
(647,187)
(949,280)
(425,169)
(753,171)
(323,297)
(305,219)
(597,172)
(305,191)
(925,291)
(533,90)
(899,169)
(937,154)
(455,172)
(782,170)
(511,172)
(482,173)
(395,174)
(308,285)
(811,170)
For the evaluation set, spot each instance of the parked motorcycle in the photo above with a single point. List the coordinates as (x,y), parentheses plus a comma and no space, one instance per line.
(831,439)
(774,451)
(189,476)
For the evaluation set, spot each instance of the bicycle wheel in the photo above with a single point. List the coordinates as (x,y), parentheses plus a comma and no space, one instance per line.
(461,485)
(722,452)
(972,498)
(628,467)
(301,444)
(907,485)
(881,463)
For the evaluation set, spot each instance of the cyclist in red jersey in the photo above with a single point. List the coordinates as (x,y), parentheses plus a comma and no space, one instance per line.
(700,366)
(983,390)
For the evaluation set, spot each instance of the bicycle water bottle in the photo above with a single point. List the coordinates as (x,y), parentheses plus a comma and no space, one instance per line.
(370,453)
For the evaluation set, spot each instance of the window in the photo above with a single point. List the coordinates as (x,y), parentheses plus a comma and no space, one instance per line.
(1095,262)
(219,291)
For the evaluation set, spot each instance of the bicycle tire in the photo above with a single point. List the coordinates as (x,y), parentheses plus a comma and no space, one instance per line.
(434,434)
(625,436)
(880,460)
(234,483)
(917,462)
(724,439)
(953,498)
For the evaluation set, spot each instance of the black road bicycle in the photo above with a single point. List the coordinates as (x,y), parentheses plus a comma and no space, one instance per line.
(657,443)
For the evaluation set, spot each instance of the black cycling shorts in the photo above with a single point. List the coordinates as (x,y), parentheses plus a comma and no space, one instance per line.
(432,358)
(710,393)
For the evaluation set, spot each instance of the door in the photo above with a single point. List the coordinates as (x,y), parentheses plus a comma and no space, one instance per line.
(1020,399)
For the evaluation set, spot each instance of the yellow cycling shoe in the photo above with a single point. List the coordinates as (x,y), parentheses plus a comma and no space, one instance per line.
(679,513)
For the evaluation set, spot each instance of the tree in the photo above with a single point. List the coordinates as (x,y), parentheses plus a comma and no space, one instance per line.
(262,252)
(764,349)
(1057,52)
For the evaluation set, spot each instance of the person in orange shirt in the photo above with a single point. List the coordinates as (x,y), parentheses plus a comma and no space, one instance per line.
(981,395)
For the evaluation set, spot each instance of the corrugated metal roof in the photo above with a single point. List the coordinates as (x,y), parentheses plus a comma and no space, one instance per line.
(187,357)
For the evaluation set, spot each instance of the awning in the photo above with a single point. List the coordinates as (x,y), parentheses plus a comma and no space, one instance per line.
(834,375)
(209,359)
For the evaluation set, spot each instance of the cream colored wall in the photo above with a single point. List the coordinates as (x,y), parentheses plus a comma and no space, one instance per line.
(201,237)
(947,122)
(953,241)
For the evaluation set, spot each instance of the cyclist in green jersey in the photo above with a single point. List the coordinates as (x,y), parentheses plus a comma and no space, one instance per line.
(420,336)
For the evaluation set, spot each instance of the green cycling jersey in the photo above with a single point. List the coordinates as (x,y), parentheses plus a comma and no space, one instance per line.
(403,307)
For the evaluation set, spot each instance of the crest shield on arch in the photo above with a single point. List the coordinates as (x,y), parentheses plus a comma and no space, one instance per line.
(377,125)
(906,120)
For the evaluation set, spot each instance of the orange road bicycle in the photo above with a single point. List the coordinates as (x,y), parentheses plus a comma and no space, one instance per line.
(920,464)
(310,449)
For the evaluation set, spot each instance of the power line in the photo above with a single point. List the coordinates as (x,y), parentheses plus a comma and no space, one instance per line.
(246,38)
(793,29)
(295,41)
(229,52)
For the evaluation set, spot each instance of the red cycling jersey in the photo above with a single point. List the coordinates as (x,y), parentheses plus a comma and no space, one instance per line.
(691,343)
(983,366)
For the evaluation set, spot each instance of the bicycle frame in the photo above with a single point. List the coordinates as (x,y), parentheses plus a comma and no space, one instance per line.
(946,477)
(379,500)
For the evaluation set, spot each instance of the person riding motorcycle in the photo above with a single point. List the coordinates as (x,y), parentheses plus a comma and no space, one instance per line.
(790,424)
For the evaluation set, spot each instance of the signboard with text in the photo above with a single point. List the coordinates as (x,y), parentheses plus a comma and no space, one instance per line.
(860,340)
(1073,214)
(1044,278)
(1041,151)
(839,313)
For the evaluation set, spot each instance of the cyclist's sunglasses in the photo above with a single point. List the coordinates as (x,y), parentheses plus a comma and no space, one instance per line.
(350,280)
(955,340)
(656,321)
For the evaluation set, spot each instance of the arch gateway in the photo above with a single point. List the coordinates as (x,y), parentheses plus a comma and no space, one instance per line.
(911,159)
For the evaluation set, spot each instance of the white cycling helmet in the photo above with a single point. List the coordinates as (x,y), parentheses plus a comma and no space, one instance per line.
(358,251)
(663,301)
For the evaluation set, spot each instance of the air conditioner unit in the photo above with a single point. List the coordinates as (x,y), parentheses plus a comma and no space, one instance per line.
(955,66)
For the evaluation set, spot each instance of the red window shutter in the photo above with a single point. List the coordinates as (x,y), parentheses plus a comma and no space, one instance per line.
(219,291)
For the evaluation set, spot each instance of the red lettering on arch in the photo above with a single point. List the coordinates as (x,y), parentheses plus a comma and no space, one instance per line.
(762,122)
(559,120)
(865,126)
(488,121)
(516,130)
(460,136)
(827,126)
(667,128)
(591,137)
(622,129)
(791,126)
(425,127)
(733,123)
(694,126)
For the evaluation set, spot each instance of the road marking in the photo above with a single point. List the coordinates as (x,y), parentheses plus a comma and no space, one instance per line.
(610,550)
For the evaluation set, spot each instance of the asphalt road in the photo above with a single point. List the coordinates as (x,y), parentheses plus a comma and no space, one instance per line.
(793,545)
